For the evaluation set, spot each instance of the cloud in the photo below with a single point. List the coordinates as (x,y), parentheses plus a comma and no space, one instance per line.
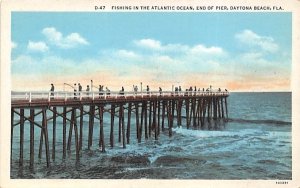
(126,54)
(70,41)
(37,46)
(180,49)
(201,49)
(148,43)
(13,45)
(252,39)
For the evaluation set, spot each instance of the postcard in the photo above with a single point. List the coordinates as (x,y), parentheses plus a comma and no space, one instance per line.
(140,93)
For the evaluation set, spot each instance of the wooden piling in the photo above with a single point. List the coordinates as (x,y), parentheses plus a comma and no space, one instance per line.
(150,118)
(128,123)
(219,109)
(158,117)
(226,108)
(54,133)
(41,143)
(137,122)
(70,130)
(187,111)
(120,123)
(112,119)
(154,120)
(172,115)
(208,109)
(76,133)
(123,126)
(142,117)
(91,126)
(45,132)
(81,127)
(222,107)
(145,111)
(163,115)
(64,131)
(31,163)
(11,132)
(21,136)
(215,112)
(169,117)
(101,133)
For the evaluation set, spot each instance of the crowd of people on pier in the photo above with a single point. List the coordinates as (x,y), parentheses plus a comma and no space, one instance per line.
(178,90)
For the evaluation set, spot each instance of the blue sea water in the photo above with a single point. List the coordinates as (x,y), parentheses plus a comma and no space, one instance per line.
(254,144)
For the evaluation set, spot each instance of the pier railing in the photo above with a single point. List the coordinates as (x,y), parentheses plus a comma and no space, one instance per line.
(30,96)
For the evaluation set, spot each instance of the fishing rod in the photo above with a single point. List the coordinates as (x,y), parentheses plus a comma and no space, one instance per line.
(68,85)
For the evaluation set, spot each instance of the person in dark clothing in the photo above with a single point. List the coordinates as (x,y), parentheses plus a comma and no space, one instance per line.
(52,91)
(148,90)
(160,90)
(100,90)
(75,91)
(79,89)
(88,90)
(122,91)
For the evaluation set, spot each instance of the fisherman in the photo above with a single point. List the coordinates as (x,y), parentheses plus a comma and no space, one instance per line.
(176,90)
(135,89)
(186,92)
(219,89)
(191,91)
(87,90)
(52,91)
(195,90)
(79,89)
(179,89)
(148,90)
(122,91)
(107,91)
(160,90)
(100,90)
(75,91)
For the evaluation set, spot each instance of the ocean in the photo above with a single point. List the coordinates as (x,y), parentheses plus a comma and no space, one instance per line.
(255,143)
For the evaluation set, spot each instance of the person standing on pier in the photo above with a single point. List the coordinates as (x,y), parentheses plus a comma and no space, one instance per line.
(52,91)
(79,89)
(135,89)
(75,91)
(122,91)
(100,90)
(148,90)
(160,90)
(107,91)
(88,90)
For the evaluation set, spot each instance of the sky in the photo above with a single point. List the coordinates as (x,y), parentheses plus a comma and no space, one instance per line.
(237,51)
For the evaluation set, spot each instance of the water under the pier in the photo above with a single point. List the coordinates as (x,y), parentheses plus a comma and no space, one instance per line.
(254,144)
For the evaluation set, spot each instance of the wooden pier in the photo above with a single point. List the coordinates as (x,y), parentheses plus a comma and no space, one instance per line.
(154,112)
